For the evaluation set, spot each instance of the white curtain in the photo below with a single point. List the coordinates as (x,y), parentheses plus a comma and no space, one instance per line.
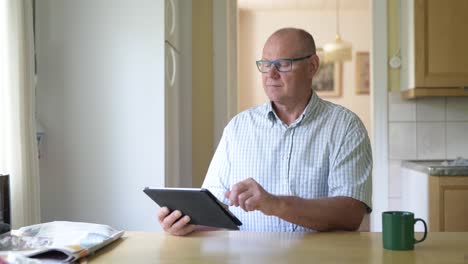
(18,147)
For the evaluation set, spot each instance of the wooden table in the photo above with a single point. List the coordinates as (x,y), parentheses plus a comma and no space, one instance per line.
(246,247)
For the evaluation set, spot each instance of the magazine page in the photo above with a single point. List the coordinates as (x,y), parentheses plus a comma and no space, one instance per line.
(59,240)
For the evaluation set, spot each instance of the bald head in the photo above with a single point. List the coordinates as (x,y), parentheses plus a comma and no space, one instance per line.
(296,39)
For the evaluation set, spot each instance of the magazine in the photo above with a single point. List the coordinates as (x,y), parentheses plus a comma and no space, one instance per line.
(57,241)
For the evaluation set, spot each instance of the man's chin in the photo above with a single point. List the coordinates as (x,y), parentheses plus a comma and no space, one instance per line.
(274,98)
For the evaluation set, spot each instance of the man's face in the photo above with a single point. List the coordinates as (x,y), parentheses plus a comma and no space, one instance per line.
(287,87)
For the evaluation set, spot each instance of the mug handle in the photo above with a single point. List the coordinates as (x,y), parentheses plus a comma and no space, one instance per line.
(425,230)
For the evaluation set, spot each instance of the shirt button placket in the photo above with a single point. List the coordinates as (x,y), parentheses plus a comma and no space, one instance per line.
(286,158)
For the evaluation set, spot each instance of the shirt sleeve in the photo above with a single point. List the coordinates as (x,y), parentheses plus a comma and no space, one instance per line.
(216,179)
(351,168)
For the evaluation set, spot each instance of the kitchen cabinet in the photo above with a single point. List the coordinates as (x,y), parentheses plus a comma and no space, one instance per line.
(433,48)
(172,92)
(437,194)
(448,207)
(178,93)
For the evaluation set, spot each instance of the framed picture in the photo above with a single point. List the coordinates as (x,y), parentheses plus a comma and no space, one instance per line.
(362,73)
(327,80)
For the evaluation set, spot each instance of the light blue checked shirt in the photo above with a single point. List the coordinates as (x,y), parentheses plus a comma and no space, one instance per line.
(325,153)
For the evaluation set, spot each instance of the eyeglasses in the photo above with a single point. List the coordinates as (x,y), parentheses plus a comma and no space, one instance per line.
(282,65)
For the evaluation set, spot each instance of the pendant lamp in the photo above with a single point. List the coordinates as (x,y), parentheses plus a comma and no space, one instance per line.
(339,50)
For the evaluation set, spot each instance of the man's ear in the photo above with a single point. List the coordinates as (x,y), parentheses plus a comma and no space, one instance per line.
(314,64)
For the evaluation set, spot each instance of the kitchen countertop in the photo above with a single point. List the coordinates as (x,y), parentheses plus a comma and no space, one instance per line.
(435,168)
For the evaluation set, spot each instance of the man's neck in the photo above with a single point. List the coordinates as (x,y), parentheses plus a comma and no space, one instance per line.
(288,113)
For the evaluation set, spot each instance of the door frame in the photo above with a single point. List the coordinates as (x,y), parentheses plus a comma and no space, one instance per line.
(379,112)
(379,91)
(224,64)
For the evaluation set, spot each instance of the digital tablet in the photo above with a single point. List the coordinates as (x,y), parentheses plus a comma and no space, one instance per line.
(200,204)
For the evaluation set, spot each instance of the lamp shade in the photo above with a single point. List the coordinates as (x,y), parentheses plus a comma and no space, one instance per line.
(337,51)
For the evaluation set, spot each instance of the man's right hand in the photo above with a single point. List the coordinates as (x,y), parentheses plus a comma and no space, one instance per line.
(174,224)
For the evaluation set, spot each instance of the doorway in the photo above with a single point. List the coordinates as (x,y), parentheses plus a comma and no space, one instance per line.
(244,86)
(259,19)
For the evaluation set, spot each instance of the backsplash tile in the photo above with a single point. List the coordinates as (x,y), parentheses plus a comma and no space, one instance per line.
(399,109)
(457,108)
(428,128)
(457,140)
(402,140)
(431,140)
(430,109)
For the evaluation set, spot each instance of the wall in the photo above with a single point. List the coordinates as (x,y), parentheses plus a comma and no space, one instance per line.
(256,25)
(100,98)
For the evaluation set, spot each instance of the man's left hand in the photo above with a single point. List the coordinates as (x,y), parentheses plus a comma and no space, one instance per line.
(250,196)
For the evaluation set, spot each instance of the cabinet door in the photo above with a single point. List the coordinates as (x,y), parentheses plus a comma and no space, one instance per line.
(172,122)
(172,23)
(440,43)
(448,204)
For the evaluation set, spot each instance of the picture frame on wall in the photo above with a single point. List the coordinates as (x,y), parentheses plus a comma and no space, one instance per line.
(327,79)
(362,72)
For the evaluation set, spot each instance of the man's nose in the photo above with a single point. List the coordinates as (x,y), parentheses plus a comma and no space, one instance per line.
(273,72)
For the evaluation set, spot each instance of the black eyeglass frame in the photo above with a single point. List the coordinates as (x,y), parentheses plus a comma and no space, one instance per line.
(278,61)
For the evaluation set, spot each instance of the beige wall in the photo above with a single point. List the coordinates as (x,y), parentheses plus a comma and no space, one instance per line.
(393,45)
(202,89)
(256,26)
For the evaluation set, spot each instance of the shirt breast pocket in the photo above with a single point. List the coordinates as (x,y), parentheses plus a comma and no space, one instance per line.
(309,180)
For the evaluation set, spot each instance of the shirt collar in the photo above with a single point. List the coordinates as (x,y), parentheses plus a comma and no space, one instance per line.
(310,107)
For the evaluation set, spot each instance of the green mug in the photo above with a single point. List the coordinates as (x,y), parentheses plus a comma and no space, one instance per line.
(398,230)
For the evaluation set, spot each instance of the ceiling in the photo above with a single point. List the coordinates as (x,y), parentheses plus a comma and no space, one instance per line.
(303,4)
